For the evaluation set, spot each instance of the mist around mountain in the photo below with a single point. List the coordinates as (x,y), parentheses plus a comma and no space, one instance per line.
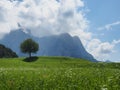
(55,45)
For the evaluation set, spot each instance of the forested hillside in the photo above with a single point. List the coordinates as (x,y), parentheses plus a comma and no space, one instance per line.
(6,52)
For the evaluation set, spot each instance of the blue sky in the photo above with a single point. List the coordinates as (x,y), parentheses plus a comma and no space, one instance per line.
(102,13)
(95,22)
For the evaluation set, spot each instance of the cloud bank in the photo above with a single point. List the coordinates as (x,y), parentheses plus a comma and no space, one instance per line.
(102,50)
(43,17)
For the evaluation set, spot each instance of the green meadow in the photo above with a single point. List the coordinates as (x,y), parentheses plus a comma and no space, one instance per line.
(58,73)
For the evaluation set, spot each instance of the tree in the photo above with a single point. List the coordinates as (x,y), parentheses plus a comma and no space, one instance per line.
(29,46)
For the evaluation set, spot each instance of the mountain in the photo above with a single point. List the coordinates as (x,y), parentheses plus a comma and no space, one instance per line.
(6,52)
(55,45)
(108,61)
(63,45)
(13,40)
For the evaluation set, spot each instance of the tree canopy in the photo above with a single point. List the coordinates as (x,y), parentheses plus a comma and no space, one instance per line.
(29,46)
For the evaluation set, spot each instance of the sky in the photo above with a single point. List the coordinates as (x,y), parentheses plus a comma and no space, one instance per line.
(95,22)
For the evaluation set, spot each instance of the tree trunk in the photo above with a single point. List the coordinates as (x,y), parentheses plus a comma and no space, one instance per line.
(29,54)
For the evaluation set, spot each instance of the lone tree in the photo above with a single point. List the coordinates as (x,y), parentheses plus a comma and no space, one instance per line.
(29,46)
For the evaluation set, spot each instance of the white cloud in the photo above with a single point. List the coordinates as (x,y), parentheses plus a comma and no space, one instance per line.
(109,26)
(44,17)
(116,42)
(9,16)
(102,50)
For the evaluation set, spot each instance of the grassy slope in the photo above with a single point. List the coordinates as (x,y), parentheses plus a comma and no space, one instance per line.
(59,73)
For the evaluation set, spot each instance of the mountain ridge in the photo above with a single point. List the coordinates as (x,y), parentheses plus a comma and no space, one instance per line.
(55,45)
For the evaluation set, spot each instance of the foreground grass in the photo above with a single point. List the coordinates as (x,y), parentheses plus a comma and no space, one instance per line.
(58,73)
